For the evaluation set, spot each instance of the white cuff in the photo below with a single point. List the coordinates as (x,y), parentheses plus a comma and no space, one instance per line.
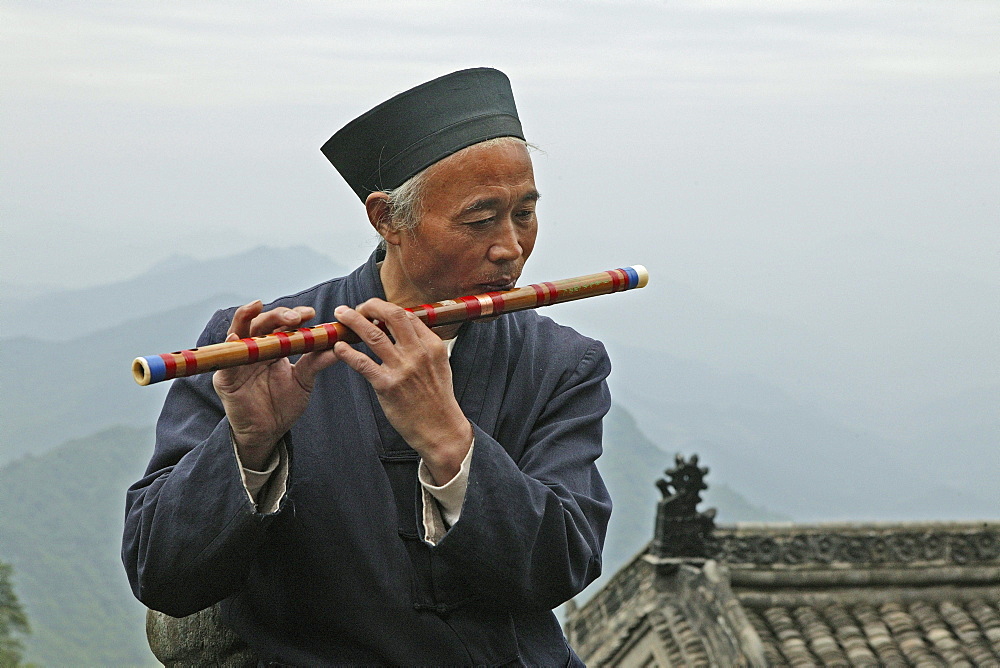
(275,473)
(442,504)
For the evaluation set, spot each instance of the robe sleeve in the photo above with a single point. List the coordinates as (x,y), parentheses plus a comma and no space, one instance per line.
(266,488)
(442,504)
(190,526)
(531,530)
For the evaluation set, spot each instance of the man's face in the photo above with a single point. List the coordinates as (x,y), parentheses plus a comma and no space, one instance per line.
(476,230)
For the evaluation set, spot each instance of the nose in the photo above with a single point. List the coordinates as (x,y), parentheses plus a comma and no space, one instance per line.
(506,246)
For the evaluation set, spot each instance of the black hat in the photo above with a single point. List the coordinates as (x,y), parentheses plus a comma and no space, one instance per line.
(384,147)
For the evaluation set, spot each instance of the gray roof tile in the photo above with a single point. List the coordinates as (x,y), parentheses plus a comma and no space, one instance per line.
(920,632)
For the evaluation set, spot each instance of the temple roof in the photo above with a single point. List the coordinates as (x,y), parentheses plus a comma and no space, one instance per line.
(861,594)
(913,593)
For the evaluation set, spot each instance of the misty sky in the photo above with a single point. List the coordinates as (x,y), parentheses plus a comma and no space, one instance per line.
(829,164)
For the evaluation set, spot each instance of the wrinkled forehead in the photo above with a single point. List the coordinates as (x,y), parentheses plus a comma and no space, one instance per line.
(488,175)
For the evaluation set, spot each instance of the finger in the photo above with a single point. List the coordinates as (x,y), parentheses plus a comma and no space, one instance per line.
(240,326)
(368,332)
(280,319)
(401,323)
(383,311)
(412,332)
(360,362)
(232,379)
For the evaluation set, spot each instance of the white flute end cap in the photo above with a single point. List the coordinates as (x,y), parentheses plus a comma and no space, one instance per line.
(642,274)
(140,371)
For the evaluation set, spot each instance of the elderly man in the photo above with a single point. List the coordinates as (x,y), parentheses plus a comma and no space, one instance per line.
(424,498)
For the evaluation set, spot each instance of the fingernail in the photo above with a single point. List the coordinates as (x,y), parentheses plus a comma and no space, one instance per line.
(339,310)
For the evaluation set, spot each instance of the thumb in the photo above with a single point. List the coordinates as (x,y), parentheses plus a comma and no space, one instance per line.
(310,364)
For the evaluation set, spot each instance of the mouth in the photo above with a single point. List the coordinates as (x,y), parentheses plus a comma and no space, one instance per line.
(498,285)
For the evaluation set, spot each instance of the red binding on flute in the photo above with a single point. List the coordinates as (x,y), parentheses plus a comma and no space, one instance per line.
(156,368)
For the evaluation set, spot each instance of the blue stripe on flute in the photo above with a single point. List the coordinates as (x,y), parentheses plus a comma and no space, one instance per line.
(633,277)
(157,368)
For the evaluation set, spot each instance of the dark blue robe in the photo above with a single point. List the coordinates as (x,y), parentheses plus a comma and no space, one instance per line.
(340,573)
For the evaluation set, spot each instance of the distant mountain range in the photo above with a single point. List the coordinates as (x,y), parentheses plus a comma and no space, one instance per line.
(262,273)
(75,431)
(798,457)
(74,378)
(800,460)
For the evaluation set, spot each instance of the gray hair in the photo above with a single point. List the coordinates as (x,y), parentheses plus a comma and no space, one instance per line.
(406,202)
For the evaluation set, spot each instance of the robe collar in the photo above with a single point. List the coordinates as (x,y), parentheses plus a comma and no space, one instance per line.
(365,282)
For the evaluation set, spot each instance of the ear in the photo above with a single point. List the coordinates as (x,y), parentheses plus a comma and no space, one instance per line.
(377,206)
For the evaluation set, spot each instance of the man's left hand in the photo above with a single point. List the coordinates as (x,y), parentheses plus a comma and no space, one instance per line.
(413,383)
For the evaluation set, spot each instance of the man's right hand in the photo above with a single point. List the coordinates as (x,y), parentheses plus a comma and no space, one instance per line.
(263,400)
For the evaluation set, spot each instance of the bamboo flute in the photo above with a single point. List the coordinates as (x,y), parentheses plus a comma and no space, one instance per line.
(157,368)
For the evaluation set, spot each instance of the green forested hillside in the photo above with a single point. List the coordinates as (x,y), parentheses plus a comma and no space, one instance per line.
(60,527)
(13,622)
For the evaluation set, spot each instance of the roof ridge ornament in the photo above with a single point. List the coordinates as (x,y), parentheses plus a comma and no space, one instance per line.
(682,532)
